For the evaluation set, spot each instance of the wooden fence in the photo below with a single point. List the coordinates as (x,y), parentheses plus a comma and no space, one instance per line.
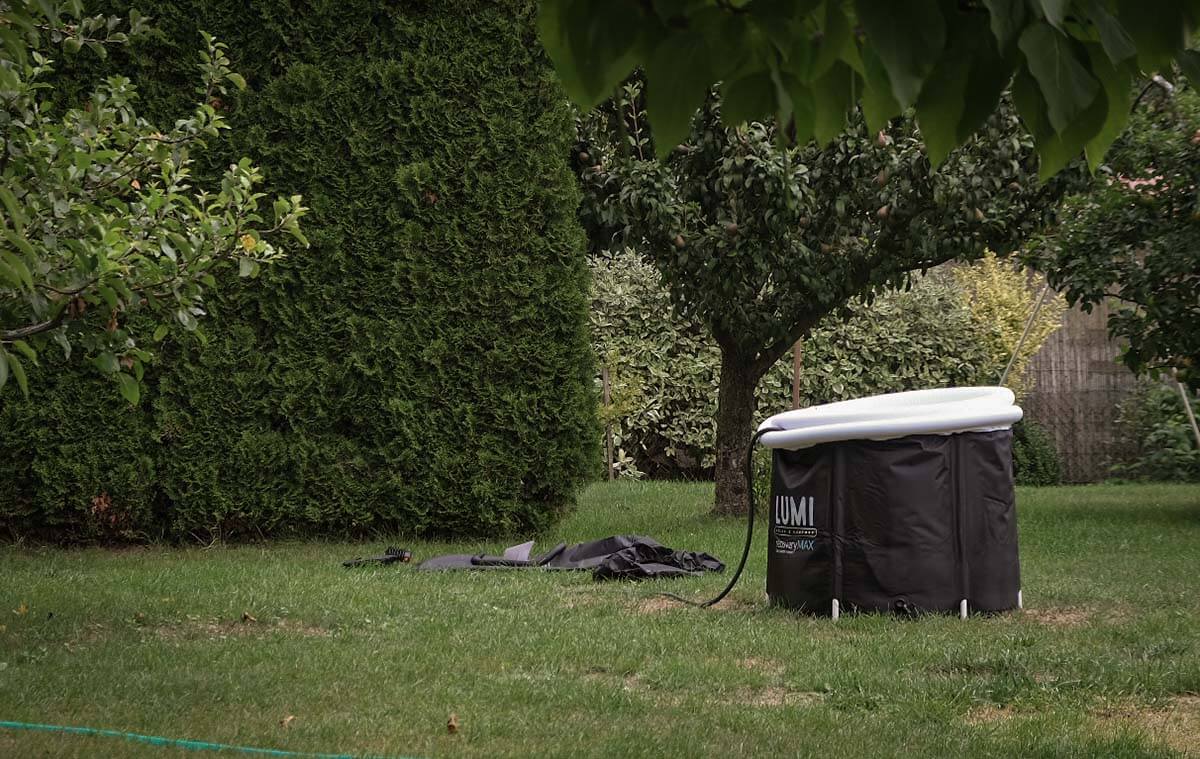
(1077,386)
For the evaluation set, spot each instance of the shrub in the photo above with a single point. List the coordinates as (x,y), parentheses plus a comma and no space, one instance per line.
(424,367)
(1154,419)
(1035,456)
(1001,300)
(666,369)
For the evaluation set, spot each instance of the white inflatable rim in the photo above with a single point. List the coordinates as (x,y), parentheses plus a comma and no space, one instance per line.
(943,411)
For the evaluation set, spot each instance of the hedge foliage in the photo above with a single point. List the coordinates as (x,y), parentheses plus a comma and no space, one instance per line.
(425,367)
(952,328)
(1154,420)
(1001,299)
(1035,456)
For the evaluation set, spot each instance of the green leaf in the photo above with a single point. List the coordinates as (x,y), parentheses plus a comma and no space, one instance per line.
(1157,28)
(129,388)
(748,99)
(186,318)
(1054,11)
(238,80)
(836,39)
(1032,109)
(908,37)
(3,367)
(15,214)
(833,95)
(677,81)
(731,43)
(878,103)
(963,89)
(1189,64)
(18,372)
(26,350)
(110,296)
(803,112)
(1116,82)
(552,31)
(1006,18)
(593,43)
(107,363)
(1066,86)
(60,337)
(18,268)
(1113,36)
(20,242)
(940,105)
(14,43)
(160,332)
(991,73)
(782,21)
(8,273)
(1055,150)
(48,10)
(99,49)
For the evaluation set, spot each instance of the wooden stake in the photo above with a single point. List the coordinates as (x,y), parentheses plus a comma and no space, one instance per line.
(608,437)
(1187,406)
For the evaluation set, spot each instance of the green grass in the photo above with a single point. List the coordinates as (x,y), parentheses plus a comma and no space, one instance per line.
(550,664)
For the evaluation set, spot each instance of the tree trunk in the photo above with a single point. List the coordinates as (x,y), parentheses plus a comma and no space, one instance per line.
(797,365)
(735,420)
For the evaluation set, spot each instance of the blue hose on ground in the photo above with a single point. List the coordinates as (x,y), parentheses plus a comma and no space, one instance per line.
(155,740)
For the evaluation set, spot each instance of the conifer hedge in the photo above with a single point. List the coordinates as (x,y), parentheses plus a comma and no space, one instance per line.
(424,367)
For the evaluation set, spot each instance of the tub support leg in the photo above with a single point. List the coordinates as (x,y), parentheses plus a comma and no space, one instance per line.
(962,609)
(835,612)
(1020,601)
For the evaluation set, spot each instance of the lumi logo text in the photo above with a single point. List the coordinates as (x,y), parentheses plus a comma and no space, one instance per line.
(792,513)
(793,526)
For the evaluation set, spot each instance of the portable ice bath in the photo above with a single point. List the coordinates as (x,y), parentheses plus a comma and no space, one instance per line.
(901,502)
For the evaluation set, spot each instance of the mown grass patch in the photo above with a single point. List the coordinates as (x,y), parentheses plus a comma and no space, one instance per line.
(225,644)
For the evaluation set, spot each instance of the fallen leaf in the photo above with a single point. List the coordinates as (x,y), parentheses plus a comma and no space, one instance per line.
(287,721)
(248,617)
(452,724)
(22,609)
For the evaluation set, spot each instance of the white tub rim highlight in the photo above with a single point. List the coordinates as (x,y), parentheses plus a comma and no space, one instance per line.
(944,411)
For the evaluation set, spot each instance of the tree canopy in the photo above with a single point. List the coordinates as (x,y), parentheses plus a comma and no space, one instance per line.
(759,242)
(101,216)
(806,63)
(1132,237)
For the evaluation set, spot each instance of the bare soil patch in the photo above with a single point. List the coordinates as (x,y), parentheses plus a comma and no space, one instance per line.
(770,667)
(989,714)
(656,604)
(775,696)
(1072,616)
(1173,722)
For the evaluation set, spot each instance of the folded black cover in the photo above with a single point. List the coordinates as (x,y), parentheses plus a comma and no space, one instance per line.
(645,562)
(619,557)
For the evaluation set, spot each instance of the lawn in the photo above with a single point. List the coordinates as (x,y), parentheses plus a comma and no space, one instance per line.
(278,646)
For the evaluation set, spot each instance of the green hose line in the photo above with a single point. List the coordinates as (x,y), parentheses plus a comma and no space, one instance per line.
(155,740)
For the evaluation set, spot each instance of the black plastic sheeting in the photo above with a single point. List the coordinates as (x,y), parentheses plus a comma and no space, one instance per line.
(909,525)
(619,557)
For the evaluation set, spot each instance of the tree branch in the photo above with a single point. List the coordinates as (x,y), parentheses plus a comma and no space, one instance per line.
(20,333)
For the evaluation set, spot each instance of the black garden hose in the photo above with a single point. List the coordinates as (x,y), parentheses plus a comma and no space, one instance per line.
(749,526)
